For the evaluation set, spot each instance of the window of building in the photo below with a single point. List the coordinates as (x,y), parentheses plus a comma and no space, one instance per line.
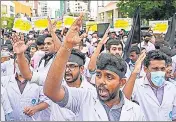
(11,15)
(4,9)
(11,8)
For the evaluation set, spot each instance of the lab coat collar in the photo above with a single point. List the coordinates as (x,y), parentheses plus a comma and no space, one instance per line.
(126,113)
(15,85)
(16,88)
(149,92)
(99,109)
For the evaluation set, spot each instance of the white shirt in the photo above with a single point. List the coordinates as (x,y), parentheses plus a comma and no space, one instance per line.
(149,103)
(148,47)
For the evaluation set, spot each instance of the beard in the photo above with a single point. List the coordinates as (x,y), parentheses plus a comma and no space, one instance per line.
(69,77)
(104,95)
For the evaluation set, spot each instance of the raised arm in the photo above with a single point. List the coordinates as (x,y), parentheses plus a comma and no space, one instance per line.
(52,86)
(128,89)
(52,30)
(19,48)
(93,59)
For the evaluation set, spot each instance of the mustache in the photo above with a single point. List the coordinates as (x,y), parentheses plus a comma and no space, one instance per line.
(101,87)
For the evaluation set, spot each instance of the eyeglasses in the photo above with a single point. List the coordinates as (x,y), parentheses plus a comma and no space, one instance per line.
(71,66)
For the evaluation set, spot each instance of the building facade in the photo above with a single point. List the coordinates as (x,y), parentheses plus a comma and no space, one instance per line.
(76,6)
(42,8)
(7,9)
(108,13)
(23,8)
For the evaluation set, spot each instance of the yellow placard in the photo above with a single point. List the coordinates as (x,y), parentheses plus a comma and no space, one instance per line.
(22,25)
(122,23)
(59,24)
(159,26)
(41,23)
(92,25)
(68,21)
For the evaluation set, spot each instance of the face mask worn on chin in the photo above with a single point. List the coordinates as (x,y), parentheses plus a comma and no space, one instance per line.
(158,78)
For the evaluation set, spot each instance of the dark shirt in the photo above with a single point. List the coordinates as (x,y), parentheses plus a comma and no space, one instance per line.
(21,85)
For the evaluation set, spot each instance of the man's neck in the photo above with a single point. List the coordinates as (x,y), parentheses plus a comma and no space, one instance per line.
(20,78)
(76,84)
(113,102)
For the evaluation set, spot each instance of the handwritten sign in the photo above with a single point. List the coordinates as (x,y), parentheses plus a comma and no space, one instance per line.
(123,23)
(159,26)
(92,25)
(42,23)
(22,25)
(68,21)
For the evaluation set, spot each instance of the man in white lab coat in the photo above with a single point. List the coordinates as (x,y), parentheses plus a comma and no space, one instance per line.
(110,104)
(27,100)
(155,95)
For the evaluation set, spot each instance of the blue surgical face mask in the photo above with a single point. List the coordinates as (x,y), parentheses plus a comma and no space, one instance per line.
(158,78)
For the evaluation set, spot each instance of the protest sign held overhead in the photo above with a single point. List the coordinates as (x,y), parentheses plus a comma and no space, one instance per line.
(68,21)
(159,26)
(22,25)
(92,25)
(122,23)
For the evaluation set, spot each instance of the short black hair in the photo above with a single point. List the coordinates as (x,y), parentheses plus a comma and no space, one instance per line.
(40,40)
(115,61)
(112,41)
(79,53)
(135,49)
(166,50)
(160,44)
(34,45)
(169,60)
(154,55)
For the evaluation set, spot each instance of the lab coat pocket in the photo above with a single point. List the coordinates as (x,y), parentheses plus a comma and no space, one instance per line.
(167,111)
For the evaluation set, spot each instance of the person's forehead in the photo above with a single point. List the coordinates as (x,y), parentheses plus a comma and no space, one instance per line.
(71,63)
(48,39)
(116,46)
(106,71)
(132,53)
(157,63)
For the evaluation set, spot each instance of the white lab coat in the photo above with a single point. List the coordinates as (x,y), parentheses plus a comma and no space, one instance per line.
(32,92)
(87,107)
(5,104)
(2,114)
(149,103)
(43,68)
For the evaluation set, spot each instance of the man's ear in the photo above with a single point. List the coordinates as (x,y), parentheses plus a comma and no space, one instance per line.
(145,69)
(82,69)
(122,82)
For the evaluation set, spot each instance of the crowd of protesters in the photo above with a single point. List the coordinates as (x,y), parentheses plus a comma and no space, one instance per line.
(74,75)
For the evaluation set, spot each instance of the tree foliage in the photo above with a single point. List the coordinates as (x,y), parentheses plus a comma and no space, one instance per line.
(10,22)
(150,9)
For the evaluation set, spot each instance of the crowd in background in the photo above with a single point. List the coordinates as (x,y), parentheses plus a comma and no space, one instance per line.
(35,64)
